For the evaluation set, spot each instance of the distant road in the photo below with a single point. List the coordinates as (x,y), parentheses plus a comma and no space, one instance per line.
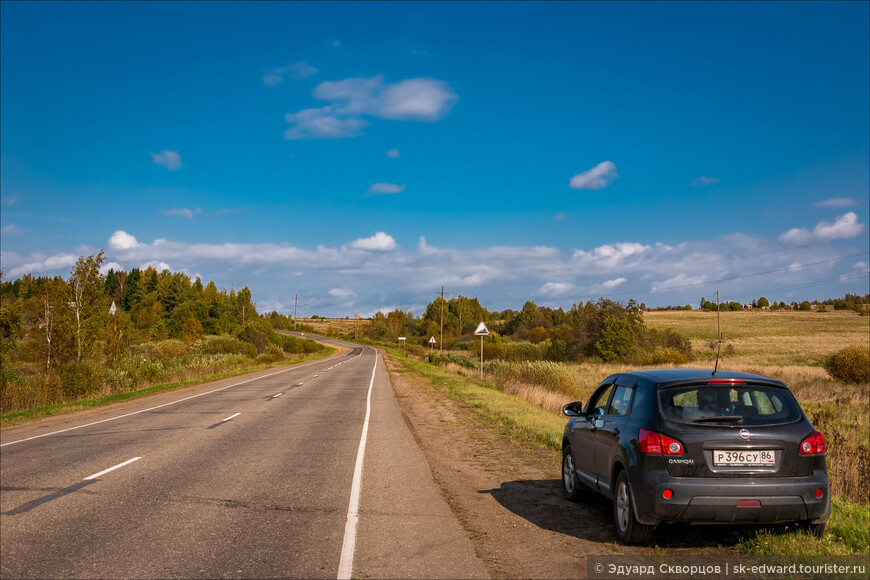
(249,477)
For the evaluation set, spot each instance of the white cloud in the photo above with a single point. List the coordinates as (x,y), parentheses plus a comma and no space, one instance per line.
(380,242)
(556,289)
(559,217)
(417,99)
(322,123)
(171,160)
(182,212)
(121,240)
(385,188)
(393,153)
(341,293)
(607,257)
(677,281)
(845,226)
(703,180)
(598,177)
(611,284)
(296,71)
(837,202)
(38,264)
(10,230)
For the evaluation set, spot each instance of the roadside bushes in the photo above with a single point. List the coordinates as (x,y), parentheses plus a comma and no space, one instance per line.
(457,359)
(224,345)
(296,345)
(521,350)
(553,376)
(850,365)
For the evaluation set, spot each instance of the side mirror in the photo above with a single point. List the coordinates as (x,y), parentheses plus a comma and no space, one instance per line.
(574,409)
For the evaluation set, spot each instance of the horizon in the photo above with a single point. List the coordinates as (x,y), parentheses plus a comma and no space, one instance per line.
(361,156)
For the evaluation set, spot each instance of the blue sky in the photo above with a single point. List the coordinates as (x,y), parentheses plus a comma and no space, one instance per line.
(362,155)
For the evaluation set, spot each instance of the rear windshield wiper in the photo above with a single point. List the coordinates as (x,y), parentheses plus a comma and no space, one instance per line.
(723,418)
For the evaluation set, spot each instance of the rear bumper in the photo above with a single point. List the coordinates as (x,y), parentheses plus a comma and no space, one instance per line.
(703,500)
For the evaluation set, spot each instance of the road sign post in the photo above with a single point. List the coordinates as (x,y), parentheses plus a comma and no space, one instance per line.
(431,345)
(402,342)
(481,331)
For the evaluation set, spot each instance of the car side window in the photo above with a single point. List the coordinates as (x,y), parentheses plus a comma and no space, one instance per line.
(621,402)
(599,404)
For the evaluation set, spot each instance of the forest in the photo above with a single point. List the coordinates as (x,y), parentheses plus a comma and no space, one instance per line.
(96,333)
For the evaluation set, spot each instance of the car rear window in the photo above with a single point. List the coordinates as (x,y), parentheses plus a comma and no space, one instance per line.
(742,404)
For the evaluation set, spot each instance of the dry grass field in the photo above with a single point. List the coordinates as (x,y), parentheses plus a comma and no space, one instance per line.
(768,338)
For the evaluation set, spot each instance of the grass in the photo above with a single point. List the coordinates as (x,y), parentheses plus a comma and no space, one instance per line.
(789,346)
(18,417)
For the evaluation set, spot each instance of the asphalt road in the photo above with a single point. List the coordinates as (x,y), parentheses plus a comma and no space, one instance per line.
(250,477)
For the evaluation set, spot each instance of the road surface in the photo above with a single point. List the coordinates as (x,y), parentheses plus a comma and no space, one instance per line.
(251,477)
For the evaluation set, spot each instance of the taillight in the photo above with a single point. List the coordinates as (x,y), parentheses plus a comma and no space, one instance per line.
(652,443)
(813,445)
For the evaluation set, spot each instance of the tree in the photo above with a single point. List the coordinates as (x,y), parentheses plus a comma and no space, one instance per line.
(617,340)
(192,330)
(763,302)
(86,298)
(245,310)
(117,336)
(43,309)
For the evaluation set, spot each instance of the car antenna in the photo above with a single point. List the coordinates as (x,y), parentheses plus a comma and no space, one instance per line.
(719,332)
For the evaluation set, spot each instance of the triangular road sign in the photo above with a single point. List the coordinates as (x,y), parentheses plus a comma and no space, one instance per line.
(482,330)
(432,340)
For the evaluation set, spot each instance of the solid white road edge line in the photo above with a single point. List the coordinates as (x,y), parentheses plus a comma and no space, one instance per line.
(345,566)
(230,417)
(105,471)
(158,406)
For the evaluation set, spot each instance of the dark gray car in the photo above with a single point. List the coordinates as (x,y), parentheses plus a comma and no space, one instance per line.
(685,445)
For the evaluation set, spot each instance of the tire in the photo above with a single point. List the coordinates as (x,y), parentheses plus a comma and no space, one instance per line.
(571,486)
(817,530)
(628,529)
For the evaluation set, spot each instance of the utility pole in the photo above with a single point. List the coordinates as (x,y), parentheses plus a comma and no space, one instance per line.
(441,336)
(295,303)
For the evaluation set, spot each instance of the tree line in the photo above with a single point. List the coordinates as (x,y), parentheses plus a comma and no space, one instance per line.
(604,330)
(96,330)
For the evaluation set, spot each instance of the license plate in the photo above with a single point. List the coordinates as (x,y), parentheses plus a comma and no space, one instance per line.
(765,457)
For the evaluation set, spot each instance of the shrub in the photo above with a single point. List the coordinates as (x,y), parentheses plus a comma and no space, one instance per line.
(522,350)
(272,353)
(557,351)
(225,345)
(161,350)
(457,359)
(79,379)
(850,365)
(666,356)
(295,344)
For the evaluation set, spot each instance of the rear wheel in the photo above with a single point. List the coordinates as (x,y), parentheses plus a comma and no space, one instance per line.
(572,488)
(817,530)
(629,530)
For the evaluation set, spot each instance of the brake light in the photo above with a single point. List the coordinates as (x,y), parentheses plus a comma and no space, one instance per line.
(726,382)
(653,443)
(813,445)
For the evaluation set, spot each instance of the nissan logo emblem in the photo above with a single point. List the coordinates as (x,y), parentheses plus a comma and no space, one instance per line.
(744,434)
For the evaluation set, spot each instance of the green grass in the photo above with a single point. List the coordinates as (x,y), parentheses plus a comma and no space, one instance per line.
(511,415)
(847,534)
(10,419)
